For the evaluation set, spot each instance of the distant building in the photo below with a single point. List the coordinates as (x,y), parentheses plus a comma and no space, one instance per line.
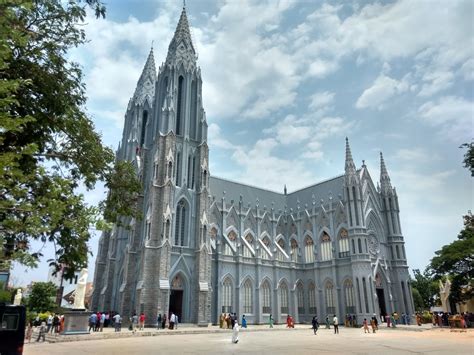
(208,245)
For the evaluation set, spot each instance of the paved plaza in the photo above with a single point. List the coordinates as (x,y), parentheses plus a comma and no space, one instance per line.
(278,341)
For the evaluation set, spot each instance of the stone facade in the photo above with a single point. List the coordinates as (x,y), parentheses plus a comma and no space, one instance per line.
(207,245)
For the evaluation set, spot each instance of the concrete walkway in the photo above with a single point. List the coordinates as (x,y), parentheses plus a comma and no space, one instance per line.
(109,333)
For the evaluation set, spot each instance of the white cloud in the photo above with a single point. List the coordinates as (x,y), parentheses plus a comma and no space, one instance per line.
(256,163)
(216,140)
(322,99)
(381,90)
(454,115)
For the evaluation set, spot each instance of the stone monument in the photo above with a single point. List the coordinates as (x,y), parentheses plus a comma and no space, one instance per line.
(18,297)
(76,321)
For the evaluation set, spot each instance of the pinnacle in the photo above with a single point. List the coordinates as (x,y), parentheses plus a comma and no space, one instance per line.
(384,177)
(181,34)
(349,166)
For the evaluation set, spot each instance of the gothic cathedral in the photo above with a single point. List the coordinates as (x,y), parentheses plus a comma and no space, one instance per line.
(206,245)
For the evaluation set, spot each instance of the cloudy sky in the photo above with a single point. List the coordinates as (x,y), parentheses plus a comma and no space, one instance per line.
(285,81)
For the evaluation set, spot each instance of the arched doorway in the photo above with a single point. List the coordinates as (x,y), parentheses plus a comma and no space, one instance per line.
(380,295)
(176,297)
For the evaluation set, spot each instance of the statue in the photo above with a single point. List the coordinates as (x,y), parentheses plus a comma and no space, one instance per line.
(17,299)
(80,292)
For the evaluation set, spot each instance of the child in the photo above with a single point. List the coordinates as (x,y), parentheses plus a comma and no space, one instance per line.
(372,324)
(366,327)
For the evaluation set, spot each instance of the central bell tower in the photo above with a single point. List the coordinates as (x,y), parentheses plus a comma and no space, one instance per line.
(175,267)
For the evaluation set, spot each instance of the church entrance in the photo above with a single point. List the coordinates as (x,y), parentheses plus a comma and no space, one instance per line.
(381,298)
(176,303)
(176,297)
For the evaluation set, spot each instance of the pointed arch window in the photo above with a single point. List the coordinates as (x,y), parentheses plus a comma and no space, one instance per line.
(266,298)
(349,297)
(308,249)
(366,298)
(300,295)
(280,255)
(193,117)
(312,298)
(213,236)
(330,308)
(246,251)
(326,247)
(397,249)
(283,298)
(180,226)
(232,239)
(359,243)
(178,169)
(180,107)
(188,180)
(227,295)
(344,249)
(144,123)
(248,301)
(263,252)
(294,250)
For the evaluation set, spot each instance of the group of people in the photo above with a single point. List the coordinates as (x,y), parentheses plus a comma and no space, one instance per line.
(54,324)
(445,319)
(374,323)
(227,320)
(172,321)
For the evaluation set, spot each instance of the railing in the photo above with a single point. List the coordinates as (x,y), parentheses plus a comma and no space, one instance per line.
(330,310)
(313,310)
(284,310)
(266,309)
(344,254)
(301,310)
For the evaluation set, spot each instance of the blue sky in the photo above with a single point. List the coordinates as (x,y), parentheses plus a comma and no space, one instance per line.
(285,81)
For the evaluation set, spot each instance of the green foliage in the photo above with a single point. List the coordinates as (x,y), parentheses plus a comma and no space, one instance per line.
(124,188)
(457,260)
(49,146)
(417,300)
(42,297)
(427,289)
(468,161)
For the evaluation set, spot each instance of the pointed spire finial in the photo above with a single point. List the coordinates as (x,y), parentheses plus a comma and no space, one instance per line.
(284,189)
(349,165)
(182,35)
(385,183)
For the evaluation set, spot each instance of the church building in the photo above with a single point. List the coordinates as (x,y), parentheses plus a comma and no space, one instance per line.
(207,245)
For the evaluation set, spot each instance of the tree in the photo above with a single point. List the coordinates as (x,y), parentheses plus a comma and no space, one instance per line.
(426,288)
(456,260)
(49,146)
(468,160)
(42,297)
(418,300)
(6,294)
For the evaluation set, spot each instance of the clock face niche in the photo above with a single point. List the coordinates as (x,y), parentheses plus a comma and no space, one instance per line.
(374,245)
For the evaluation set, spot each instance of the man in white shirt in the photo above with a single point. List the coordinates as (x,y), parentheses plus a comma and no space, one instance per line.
(172,320)
(336,325)
(49,322)
(118,322)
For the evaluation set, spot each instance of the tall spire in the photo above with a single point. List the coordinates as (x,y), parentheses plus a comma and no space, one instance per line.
(385,184)
(181,46)
(350,169)
(146,84)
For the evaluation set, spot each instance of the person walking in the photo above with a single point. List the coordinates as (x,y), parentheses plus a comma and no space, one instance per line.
(142,321)
(92,321)
(117,322)
(232,320)
(163,321)
(372,324)
(29,331)
(49,322)
(270,321)
(375,321)
(134,320)
(42,332)
(366,326)
(235,332)
(315,324)
(176,321)
(244,321)
(102,321)
(336,325)
(221,321)
(327,323)
(158,321)
(172,320)
(55,324)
